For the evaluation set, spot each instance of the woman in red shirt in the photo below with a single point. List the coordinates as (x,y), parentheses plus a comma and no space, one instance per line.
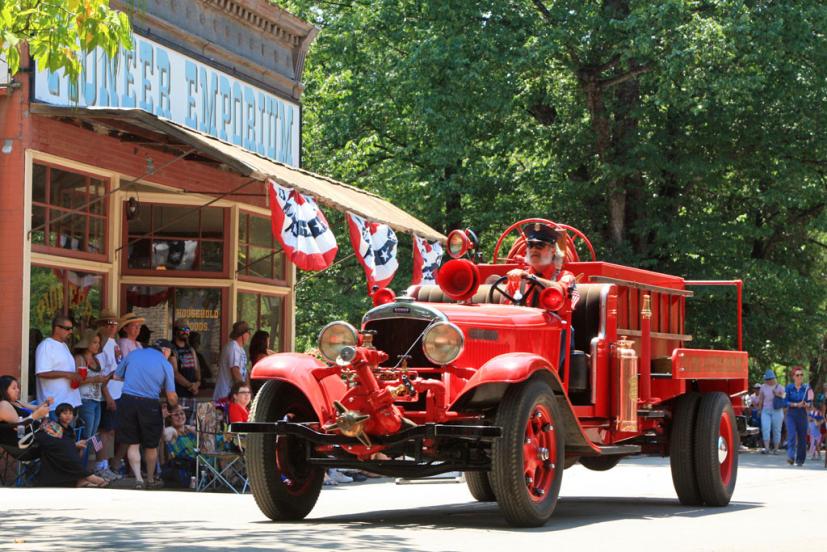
(240,397)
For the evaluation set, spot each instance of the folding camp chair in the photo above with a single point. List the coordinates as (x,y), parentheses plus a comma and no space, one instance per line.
(26,461)
(219,461)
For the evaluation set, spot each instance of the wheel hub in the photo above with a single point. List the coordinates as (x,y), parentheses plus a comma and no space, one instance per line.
(723,450)
(538,450)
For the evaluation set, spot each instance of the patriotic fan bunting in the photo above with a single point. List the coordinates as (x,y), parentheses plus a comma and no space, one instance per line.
(375,246)
(427,258)
(301,228)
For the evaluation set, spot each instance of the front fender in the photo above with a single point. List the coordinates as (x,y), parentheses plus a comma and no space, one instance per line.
(507,368)
(307,374)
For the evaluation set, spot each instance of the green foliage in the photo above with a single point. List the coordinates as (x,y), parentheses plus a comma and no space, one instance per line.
(59,31)
(684,136)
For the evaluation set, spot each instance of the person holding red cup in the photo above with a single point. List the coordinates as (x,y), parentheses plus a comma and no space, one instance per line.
(55,367)
(92,378)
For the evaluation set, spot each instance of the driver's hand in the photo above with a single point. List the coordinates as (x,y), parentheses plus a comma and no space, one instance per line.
(516,274)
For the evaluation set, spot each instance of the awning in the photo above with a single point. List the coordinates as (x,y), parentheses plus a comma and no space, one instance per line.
(122,123)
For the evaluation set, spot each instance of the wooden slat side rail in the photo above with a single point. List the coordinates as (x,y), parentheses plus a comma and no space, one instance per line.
(638,285)
(655,335)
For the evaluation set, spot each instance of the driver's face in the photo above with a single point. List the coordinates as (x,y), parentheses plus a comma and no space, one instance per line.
(539,255)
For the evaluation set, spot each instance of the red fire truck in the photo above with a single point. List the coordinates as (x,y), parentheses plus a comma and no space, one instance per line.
(449,378)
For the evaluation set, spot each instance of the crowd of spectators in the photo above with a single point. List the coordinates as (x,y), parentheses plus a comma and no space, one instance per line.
(790,417)
(114,404)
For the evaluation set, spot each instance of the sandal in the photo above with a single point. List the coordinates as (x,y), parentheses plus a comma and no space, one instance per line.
(85,484)
(139,486)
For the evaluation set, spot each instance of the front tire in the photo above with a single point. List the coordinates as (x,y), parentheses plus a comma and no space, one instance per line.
(716,449)
(681,449)
(284,485)
(480,486)
(527,461)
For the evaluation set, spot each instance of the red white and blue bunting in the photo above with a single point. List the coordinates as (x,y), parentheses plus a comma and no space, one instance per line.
(375,247)
(301,228)
(427,256)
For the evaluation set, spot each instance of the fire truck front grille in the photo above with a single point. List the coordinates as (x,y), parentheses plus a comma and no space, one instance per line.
(395,336)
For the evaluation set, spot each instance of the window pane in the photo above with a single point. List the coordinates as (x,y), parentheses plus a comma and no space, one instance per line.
(85,297)
(154,303)
(95,243)
(202,308)
(261,262)
(174,254)
(242,227)
(175,221)
(70,230)
(140,224)
(278,264)
(261,233)
(212,256)
(212,223)
(45,300)
(67,189)
(271,319)
(138,255)
(38,224)
(97,189)
(39,183)
(248,309)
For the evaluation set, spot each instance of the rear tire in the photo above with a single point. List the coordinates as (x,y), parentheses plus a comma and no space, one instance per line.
(480,486)
(284,485)
(716,449)
(681,449)
(600,463)
(527,461)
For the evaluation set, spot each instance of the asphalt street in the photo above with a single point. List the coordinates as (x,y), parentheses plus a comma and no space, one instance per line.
(632,507)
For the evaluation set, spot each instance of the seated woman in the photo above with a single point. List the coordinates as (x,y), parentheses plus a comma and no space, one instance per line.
(179,456)
(61,465)
(239,402)
(14,413)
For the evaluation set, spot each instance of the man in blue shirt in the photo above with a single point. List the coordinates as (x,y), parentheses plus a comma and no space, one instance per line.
(146,373)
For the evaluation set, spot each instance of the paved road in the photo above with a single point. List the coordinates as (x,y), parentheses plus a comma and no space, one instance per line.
(632,507)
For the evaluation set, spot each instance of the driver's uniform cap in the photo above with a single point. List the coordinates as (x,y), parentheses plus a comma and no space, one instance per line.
(537,232)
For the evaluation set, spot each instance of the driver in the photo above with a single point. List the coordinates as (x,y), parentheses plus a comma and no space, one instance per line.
(545,263)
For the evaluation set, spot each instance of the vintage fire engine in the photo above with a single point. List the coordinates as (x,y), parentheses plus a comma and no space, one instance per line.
(449,378)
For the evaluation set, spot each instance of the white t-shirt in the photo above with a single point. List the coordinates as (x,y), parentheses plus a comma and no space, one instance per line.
(53,356)
(233,354)
(109,358)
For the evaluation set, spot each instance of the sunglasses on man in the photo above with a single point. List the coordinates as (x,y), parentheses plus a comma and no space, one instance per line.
(67,328)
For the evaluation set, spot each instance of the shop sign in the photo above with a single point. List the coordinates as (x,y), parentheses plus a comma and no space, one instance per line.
(169,84)
(199,319)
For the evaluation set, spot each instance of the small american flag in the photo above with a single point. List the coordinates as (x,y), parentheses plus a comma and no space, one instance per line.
(96,443)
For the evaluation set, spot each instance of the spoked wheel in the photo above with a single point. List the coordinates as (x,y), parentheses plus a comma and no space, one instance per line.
(480,486)
(527,463)
(716,449)
(284,485)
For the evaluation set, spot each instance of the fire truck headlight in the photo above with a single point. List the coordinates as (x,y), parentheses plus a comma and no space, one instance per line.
(336,336)
(443,343)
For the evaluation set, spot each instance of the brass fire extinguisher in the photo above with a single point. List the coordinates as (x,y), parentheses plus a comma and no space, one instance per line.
(625,388)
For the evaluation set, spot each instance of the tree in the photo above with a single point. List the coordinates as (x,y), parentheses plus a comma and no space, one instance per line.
(57,32)
(684,136)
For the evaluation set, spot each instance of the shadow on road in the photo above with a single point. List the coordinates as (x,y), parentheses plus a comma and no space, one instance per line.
(571,512)
(49,529)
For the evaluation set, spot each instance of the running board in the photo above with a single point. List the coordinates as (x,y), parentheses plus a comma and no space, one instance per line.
(613,450)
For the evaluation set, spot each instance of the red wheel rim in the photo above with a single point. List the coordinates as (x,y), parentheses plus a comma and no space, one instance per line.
(539,453)
(726,453)
(296,474)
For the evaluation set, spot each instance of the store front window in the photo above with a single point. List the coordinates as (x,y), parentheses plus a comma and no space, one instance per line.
(263,312)
(259,254)
(54,291)
(182,238)
(162,305)
(68,212)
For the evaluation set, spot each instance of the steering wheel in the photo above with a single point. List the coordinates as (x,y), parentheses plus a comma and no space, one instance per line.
(533,284)
(518,248)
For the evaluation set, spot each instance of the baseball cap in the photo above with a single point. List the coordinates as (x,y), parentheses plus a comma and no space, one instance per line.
(162,344)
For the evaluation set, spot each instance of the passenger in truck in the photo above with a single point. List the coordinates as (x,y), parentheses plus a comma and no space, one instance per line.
(545,262)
